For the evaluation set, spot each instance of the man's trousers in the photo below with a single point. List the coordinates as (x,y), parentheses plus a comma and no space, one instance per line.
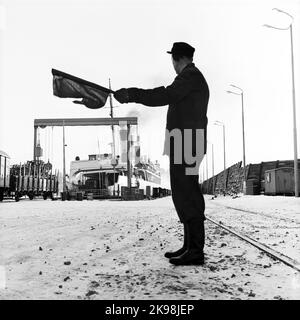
(186,192)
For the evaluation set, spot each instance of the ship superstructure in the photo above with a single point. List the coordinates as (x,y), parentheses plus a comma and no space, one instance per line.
(103,175)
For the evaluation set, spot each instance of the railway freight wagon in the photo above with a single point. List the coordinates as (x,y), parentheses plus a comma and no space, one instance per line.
(33,179)
(280,181)
(4,174)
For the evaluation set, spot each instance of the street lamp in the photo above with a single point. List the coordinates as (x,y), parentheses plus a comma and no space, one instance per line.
(241,93)
(212,165)
(290,27)
(212,158)
(219,123)
(206,165)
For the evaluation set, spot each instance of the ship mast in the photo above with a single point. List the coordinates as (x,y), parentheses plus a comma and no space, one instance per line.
(112,126)
(113,137)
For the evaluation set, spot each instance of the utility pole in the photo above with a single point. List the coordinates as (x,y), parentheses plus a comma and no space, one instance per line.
(244,150)
(64,159)
(206,165)
(212,160)
(241,93)
(224,147)
(219,123)
(213,168)
(296,174)
(290,28)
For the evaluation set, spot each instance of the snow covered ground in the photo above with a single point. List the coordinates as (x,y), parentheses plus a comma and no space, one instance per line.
(114,250)
(274,221)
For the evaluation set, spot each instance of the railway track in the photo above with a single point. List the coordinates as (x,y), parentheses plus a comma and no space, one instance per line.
(264,248)
(259,213)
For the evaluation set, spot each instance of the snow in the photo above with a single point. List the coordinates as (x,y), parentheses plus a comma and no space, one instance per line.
(113,249)
(275,221)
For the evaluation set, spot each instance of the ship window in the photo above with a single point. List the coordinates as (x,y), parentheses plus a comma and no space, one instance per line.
(111,178)
(141,173)
(92,157)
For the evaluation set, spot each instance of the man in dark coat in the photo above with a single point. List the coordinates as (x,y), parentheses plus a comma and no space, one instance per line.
(187,98)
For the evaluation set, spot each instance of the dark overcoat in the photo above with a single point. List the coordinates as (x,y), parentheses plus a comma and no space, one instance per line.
(187,98)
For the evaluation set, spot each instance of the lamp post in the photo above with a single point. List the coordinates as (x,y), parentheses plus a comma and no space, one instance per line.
(212,157)
(212,165)
(206,165)
(290,27)
(219,123)
(241,93)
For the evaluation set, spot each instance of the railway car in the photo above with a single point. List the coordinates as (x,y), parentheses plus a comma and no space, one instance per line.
(33,179)
(4,174)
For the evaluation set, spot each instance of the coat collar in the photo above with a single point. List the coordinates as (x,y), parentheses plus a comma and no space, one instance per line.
(190,65)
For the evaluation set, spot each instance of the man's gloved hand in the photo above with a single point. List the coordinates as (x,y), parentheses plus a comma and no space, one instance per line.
(122,95)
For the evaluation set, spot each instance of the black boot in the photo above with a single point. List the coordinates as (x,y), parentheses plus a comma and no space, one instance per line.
(196,237)
(184,247)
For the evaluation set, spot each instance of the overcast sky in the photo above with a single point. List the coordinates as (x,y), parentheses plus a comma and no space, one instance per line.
(127,42)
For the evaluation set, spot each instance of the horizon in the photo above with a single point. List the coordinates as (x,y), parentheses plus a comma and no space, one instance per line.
(231,45)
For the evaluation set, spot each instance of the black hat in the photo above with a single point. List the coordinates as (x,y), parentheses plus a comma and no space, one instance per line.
(182,48)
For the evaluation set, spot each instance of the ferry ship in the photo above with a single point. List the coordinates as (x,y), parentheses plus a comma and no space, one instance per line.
(104,176)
